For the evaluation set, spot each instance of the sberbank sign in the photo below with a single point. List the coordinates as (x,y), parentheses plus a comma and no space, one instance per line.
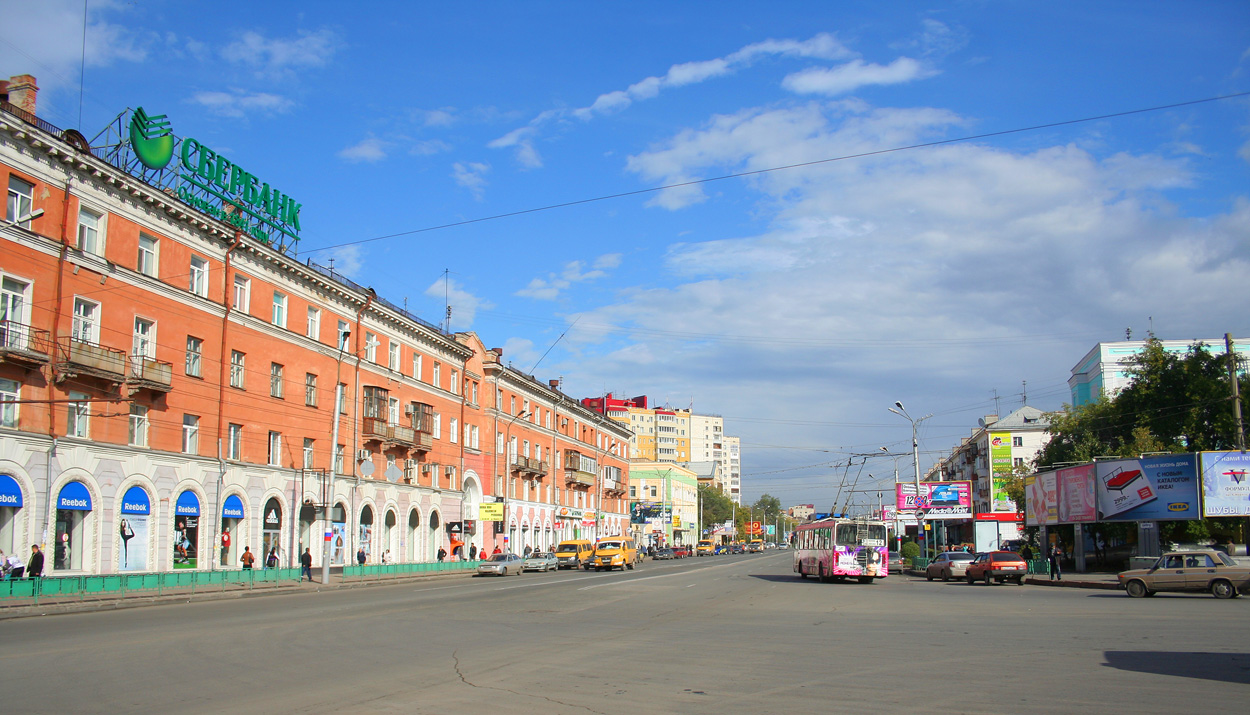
(210,182)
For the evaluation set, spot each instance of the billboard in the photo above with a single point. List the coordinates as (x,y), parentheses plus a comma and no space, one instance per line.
(1161,488)
(1225,489)
(940,500)
(1076,494)
(1000,471)
(1041,499)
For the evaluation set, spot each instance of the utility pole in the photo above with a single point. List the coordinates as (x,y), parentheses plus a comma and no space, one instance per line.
(1232,379)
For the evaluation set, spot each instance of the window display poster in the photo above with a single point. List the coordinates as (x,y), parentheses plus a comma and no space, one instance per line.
(338,542)
(1163,488)
(186,539)
(132,550)
(1040,497)
(1225,488)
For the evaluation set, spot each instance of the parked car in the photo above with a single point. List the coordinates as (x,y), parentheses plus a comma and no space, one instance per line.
(681,552)
(897,564)
(663,555)
(737,549)
(952,564)
(501,565)
(541,561)
(1207,570)
(997,566)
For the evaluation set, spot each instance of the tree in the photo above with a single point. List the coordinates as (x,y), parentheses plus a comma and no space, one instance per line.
(716,507)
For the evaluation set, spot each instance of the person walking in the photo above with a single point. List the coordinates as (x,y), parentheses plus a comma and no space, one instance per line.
(13,566)
(248,558)
(34,567)
(442,554)
(473,552)
(271,562)
(528,551)
(305,565)
(1054,563)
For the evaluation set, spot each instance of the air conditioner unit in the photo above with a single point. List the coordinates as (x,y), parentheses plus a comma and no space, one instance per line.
(363,455)
(410,409)
(449,470)
(410,463)
(410,475)
(427,468)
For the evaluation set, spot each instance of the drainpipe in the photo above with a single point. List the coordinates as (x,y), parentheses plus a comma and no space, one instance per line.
(228,302)
(55,346)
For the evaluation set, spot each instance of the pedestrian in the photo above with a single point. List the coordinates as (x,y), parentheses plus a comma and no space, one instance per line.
(386,557)
(528,551)
(248,558)
(473,552)
(1027,552)
(34,567)
(442,554)
(305,565)
(496,551)
(13,566)
(1054,563)
(360,556)
(272,561)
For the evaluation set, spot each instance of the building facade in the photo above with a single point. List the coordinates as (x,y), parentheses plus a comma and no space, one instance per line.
(666,503)
(994,449)
(174,390)
(1104,369)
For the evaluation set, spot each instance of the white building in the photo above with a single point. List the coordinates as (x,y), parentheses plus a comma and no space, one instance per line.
(1105,367)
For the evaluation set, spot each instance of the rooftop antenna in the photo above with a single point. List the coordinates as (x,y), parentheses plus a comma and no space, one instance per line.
(1128,333)
(331,264)
(995,391)
(1024,392)
(447,295)
(1152,325)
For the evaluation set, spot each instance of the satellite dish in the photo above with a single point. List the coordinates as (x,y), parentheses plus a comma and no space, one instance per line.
(981,422)
(366,468)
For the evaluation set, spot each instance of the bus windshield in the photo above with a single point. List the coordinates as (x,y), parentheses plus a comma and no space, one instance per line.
(609,544)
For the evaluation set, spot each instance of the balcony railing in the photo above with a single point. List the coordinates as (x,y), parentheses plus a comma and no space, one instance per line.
(529,465)
(576,476)
(94,360)
(151,374)
(24,344)
(378,429)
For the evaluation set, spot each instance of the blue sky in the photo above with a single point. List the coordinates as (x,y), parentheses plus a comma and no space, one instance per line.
(798,304)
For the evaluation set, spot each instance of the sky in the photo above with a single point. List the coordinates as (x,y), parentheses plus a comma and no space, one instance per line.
(913,212)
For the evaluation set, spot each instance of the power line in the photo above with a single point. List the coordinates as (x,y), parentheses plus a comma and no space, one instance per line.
(756,172)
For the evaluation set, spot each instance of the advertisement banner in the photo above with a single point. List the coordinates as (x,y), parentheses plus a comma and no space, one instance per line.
(1000,471)
(186,541)
(492,511)
(1149,489)
(940,500)
(133,554)
(754,528)
(1039,499)
(1225,489)
(1076,494)
(643,512)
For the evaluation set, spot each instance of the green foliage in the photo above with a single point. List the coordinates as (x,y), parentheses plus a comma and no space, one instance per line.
(717,507)
(767,508)
(910,550)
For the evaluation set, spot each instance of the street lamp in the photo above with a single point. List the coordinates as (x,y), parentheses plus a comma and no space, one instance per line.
(334,454)
(25,218)
(915,453)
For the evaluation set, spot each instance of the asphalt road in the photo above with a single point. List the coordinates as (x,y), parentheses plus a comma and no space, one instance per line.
(719,635)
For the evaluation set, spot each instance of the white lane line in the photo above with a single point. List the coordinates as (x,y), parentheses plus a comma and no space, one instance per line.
(648,578)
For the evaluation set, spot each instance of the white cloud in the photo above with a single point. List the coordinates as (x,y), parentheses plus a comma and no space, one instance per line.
(464,305)
(522,140)
(240,103)
(550,287)
(428,147)
(369,150)
(278,57)
(853,75)
(347,260)
(472,176)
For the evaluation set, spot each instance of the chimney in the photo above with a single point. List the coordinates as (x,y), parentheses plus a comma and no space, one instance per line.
(555,384)
(20,91)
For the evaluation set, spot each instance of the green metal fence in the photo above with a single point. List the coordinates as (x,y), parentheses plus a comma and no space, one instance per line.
(362,573)
(83,587)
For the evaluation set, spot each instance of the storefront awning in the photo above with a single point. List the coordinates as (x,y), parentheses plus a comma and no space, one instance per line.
(10,492)
(188,504)
(233,508)
(135,501)
(74,496)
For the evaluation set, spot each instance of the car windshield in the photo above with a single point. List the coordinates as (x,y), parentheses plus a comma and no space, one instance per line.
(562,549)
(1226,559)
(538,555)
(609,544)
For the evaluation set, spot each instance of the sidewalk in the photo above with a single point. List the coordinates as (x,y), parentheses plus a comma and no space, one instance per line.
(47,606)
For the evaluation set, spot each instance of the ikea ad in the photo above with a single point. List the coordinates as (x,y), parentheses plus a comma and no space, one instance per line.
(1163,488)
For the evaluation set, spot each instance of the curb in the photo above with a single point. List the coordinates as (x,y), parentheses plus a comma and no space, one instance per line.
(1039,581)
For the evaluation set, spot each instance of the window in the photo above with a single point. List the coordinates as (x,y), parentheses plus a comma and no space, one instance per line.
(279,309)
(234,442)
(342,397)
(308,452)
(473,393)
(314,323)
(376,402)
(1017,441)
(471,436)
(1018,461)
(90,238)
(236,369)
(310,390)
(86,321)
(499,443)
(14,313)
(195,355)
(438,375)
(10,393)
(21,200)
(144,342)
(453,430)
(338,458)
(653,492)
(438,426)
(275,380)
(199,276)
(243,294)
(79,420)
(512,405)
(138,426)
(633,492)
(191,434)
(498,399)
(392,411)
(275,449)
(147,255)
(371,347)
(343,334)
(455,381)
(392,356)
(416,365)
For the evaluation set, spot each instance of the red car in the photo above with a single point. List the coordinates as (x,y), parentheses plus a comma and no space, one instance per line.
(997,566)
(681,552)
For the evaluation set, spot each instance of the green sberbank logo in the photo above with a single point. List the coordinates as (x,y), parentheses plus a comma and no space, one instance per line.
(152,139)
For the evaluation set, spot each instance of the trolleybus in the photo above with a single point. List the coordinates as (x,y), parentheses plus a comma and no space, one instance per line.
(836,549)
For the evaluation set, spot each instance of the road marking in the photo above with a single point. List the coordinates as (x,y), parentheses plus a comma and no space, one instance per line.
(648,578)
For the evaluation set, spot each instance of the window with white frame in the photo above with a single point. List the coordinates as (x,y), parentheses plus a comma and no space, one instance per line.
(86,321)
(195,356)
(455,381)
(237,368)
(191,434)
(339,450)
(90,231)
(498,399)
(392,356)
(473,392)
(279,309)
(21,201)
(138,433)
(512,405)
(392,410)
(310,389)
(314,323)
(342,336)
(234,442)
(416,365)
(438,426)
(499,443)
(199,276)
(243,294)
(309,444)
(275,380)
(453,430)
(144,343)
(148,255)
(438,374)
(371,347)
(275,449)
(78,423)
(14,313)
(10,395)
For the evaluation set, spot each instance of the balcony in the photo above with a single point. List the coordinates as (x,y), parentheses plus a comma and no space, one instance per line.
(79,358)
(528,466)
(149,374)
(576,476)
(24,345)
(376,429)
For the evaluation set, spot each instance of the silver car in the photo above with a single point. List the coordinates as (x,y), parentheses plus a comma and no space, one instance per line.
(501,565)
(541,561)
(952,564)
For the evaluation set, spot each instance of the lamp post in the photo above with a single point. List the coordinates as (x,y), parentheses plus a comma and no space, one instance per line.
(334,453)
(24,218)
(915,453)
(508,459)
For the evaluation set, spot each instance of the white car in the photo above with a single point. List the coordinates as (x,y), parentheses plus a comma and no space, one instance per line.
(501,565)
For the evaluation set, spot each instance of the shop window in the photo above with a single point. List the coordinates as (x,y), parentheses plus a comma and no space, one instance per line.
(73,506)
(132,532)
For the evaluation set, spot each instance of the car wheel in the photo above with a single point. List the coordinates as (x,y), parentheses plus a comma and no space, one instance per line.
(969,578)
(1223,589)
(802,573)
(928,575)
(987,578)
(1136,589)
(946,575)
